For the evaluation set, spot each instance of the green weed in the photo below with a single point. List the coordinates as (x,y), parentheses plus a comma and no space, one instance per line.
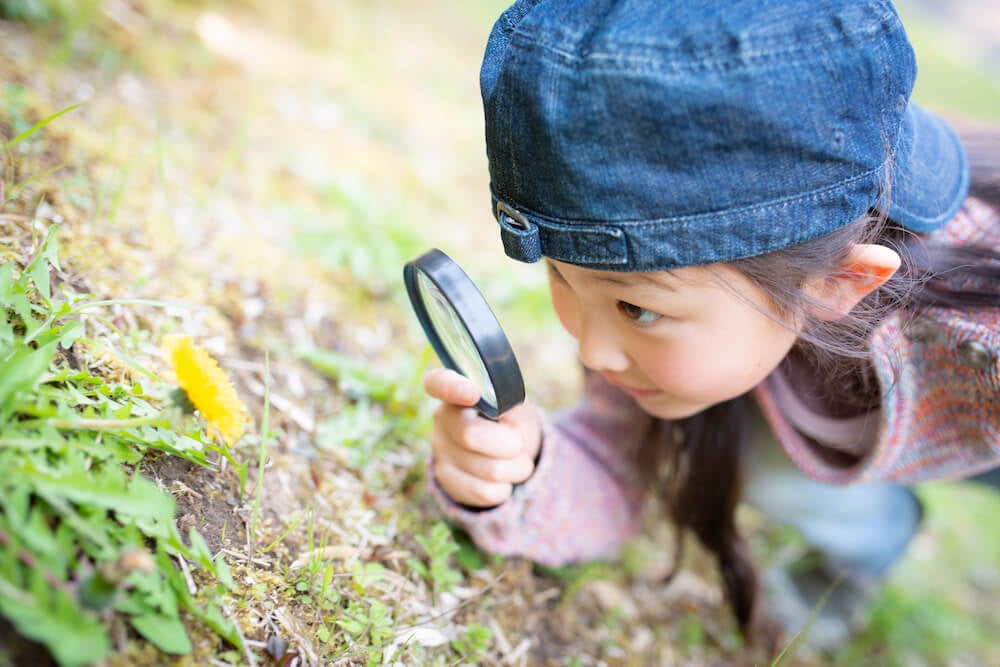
(361,429)
(83,533)
(366,575)
(691,634)
(439,546)
(469,557)
(370,624)
(473,643)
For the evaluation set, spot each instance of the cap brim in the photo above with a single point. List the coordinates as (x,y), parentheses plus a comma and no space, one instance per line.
(930,172)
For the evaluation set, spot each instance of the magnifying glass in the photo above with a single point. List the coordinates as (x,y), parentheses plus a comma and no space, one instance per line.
(463,330)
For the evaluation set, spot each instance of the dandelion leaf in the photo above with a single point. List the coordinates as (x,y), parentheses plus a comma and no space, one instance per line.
(166,632)
(22,371)
(48,616)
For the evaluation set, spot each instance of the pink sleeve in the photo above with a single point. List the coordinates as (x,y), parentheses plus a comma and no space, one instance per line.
(586,494)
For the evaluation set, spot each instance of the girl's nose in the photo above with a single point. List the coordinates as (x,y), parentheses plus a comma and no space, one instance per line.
(599,348)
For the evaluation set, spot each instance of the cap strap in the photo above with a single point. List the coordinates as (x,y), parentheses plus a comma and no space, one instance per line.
(520,244)
(527,238)
(520,237)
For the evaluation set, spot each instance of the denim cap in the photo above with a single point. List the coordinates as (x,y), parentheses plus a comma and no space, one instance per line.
(641,136)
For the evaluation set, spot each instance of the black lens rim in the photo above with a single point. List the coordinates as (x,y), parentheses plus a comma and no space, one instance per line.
(481,324)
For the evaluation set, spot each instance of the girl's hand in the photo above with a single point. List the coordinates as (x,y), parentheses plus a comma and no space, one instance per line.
(478,461)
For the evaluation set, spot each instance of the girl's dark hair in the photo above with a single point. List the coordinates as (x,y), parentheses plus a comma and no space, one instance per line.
(707,457)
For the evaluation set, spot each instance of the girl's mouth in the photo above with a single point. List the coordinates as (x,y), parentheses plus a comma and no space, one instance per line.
(634,392)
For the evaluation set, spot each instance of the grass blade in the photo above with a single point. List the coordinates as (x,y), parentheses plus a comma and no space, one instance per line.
(797,638)
(36,127)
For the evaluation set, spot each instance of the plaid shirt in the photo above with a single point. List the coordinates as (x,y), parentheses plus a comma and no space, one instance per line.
(940,418)
(940,374)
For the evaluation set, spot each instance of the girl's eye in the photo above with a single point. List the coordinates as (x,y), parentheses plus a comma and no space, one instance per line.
(637,313)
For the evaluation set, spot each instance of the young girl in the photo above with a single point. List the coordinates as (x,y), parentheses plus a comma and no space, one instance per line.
(779,284)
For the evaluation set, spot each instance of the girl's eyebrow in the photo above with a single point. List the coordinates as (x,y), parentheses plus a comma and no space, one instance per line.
(661,279)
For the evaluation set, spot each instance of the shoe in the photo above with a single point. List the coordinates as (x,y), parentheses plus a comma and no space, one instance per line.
(818,608)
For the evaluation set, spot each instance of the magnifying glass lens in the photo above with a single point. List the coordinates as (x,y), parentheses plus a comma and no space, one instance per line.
(455,337)
(463,330)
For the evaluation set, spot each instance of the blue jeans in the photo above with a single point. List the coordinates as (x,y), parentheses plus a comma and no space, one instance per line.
(864,528)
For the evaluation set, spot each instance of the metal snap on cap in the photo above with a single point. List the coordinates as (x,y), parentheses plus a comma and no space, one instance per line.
(975,355)
(514,216)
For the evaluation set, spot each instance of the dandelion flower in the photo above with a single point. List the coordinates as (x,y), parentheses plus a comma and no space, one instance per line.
(207,387)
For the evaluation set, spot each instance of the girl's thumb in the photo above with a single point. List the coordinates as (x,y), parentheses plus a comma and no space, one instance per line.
(450,387)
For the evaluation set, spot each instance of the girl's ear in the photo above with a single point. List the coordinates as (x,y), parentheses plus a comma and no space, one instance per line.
(866,267)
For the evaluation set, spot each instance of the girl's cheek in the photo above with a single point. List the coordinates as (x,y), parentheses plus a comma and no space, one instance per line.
(684,368)
(671,372)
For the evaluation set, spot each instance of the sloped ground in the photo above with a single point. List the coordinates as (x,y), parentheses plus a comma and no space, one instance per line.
(277,163)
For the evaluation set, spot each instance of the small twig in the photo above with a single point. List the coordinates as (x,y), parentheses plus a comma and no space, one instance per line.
(124,16)
(243,557)
(518,652)
(120,633)
(361,547)
(192,588)
(184,488)
(333,552)
(251,661)
(501,638)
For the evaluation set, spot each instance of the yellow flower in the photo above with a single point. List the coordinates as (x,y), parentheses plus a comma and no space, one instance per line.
(207,387)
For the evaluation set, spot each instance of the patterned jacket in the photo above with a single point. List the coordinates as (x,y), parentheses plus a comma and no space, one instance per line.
(940,418)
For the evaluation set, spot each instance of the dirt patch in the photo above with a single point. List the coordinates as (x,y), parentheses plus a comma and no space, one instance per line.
(206,500)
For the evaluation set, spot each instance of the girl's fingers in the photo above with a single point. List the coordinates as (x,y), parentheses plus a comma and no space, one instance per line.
(469,490)
(464,429)
(525,419)
(489,469)
(448,386)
